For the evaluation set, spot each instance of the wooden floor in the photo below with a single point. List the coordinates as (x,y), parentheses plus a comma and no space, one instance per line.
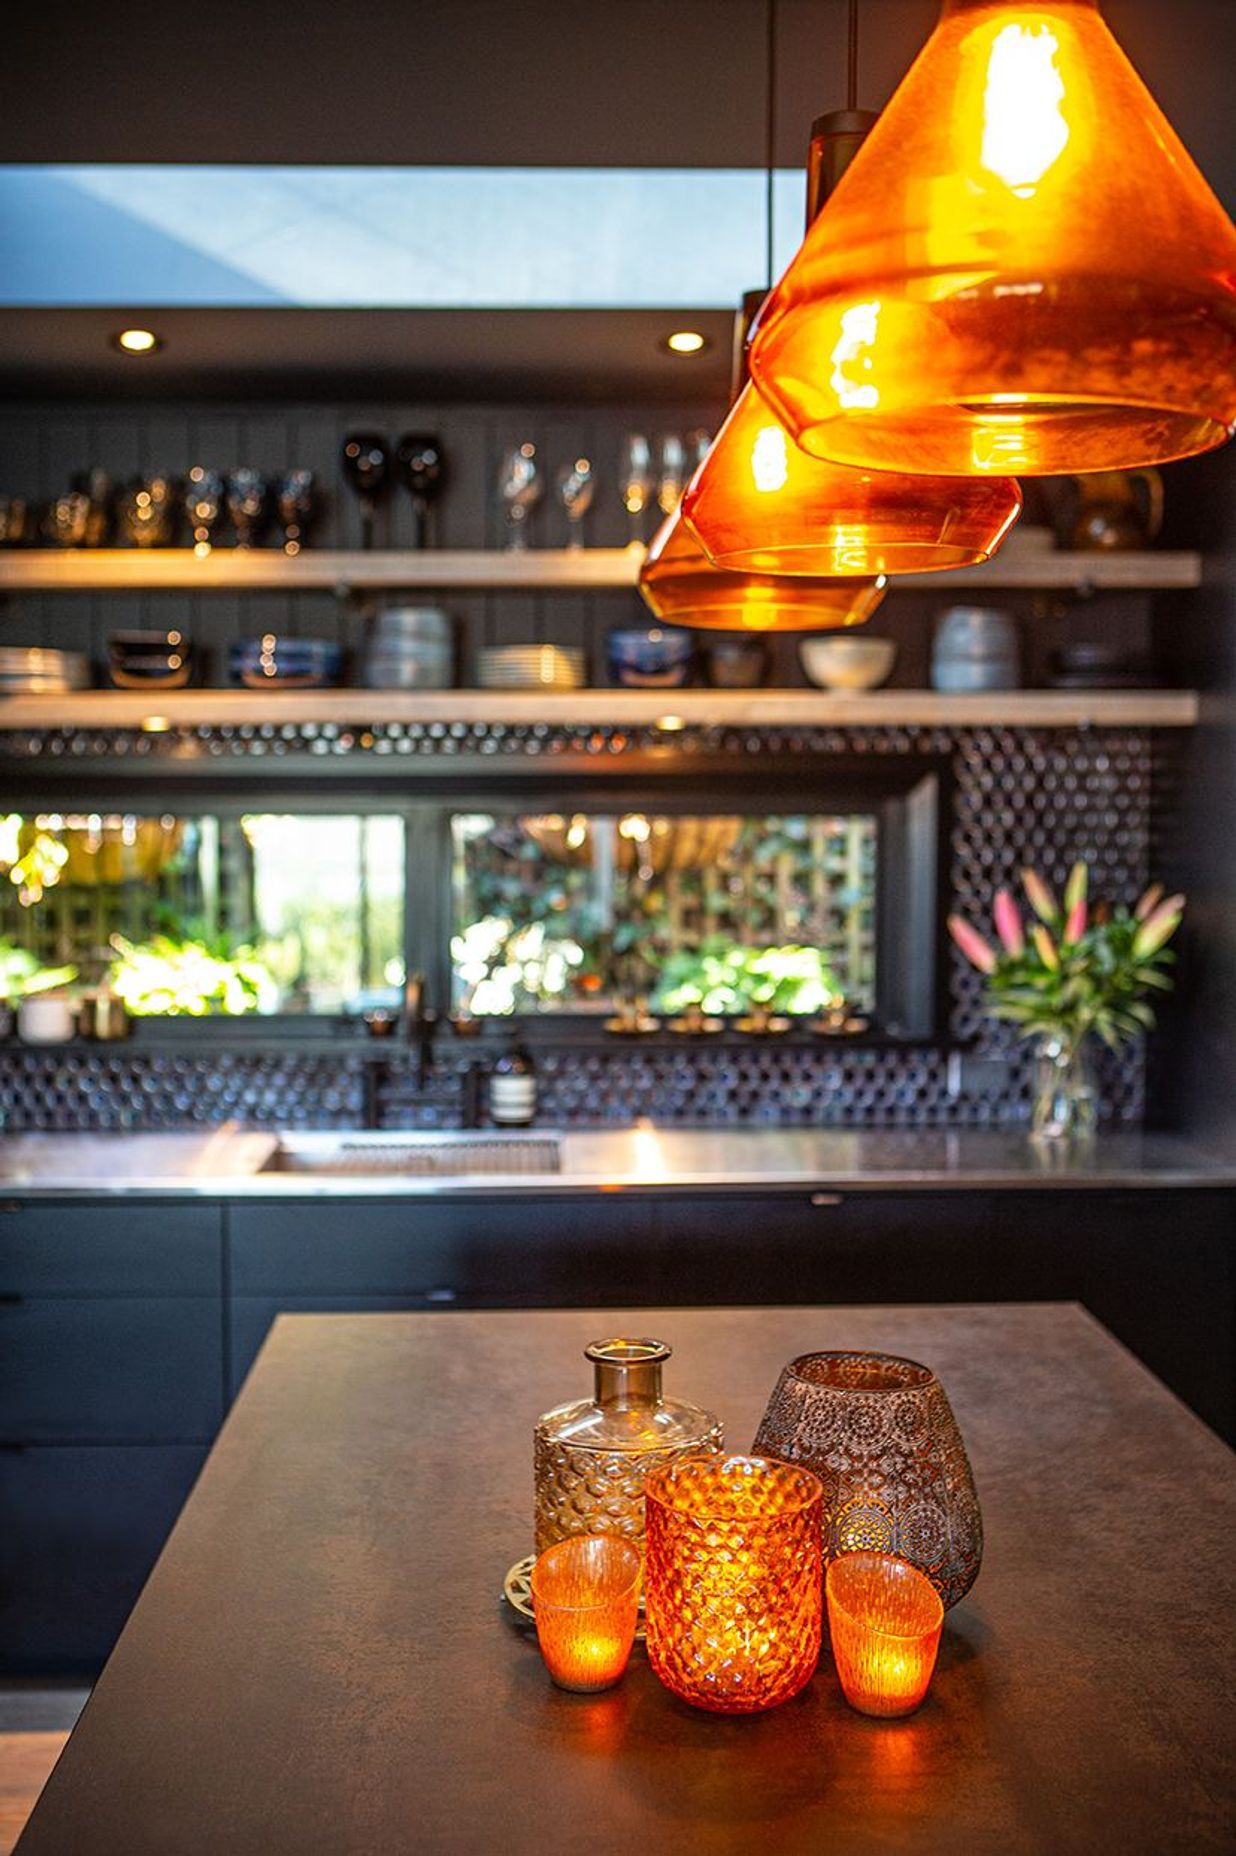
(25,1761)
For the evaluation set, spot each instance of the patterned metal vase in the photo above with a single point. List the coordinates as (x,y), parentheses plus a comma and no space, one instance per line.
(880,1434)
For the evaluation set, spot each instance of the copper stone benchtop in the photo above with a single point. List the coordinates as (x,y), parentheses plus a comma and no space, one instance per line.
(320,1662)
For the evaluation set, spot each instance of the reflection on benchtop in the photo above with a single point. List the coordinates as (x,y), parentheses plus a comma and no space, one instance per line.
(231,1162)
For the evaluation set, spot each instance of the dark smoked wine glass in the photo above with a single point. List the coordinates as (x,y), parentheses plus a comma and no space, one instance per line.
(366,469)
(421,467)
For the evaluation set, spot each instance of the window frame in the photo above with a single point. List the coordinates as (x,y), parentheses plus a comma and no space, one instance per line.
(910,797)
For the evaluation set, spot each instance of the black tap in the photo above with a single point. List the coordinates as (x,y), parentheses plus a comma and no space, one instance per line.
(421,1021)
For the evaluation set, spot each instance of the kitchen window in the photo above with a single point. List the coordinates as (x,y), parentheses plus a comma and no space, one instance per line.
(575,911)
(557,900)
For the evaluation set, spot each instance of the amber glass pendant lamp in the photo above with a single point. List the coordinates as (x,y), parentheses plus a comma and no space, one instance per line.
(682,587)
(1022,272)
(759,503)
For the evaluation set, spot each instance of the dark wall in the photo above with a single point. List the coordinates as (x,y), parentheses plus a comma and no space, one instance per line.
(538,82)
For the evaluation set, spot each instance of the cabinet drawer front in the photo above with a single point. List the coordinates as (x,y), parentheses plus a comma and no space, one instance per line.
(111,1370)
(82,1529)
(76,1247)
(493,1248)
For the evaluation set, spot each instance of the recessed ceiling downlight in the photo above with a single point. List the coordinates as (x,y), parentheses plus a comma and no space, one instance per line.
(686,341)
(137,341)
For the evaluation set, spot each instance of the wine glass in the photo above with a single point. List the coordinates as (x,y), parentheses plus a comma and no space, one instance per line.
(421,467)
(636,484)
(519,491)
(205,497)
(147,511)
(296,501)
(576,488)
(672,473)
(247,505)
(699,444)
(366,463)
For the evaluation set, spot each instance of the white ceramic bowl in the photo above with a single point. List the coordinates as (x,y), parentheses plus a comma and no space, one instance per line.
(847,663)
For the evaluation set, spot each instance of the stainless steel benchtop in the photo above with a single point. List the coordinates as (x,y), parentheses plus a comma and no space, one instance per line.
(226,1162)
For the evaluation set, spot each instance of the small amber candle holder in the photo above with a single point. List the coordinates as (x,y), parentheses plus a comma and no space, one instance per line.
(733,1597)
(884,1618)
(585,1599)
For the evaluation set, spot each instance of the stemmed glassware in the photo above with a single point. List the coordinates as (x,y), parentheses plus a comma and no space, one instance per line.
(576,489)
(519,491)
(673,473)
(247,505)
(366,464)
(637,484)
(421,466)
(146,511)
(296,501)
(205,499)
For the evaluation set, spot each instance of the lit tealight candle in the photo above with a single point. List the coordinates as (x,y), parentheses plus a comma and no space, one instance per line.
(585,1598)
(884,1618)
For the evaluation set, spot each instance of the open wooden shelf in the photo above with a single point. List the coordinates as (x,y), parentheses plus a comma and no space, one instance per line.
(669,709)
(110,570)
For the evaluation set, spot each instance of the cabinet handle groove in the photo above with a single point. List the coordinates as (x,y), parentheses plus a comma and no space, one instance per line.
(827,1198)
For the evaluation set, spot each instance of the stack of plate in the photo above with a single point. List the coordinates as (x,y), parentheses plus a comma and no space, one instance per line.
(271,662)
(29,671)
(410,648)
(530,667)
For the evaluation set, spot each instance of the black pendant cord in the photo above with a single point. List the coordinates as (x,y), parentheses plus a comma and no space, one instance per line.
(770,134)
(851,79)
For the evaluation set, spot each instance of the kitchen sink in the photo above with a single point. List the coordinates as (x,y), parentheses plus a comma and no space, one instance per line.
(418,1156)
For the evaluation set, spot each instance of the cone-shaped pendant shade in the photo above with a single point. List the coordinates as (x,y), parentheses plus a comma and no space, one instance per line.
(1022,271)
(759,504)
(682,587)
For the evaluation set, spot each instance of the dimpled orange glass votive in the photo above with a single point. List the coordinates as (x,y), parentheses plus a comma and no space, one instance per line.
(585,1598)
(884,1618)
(733,1601)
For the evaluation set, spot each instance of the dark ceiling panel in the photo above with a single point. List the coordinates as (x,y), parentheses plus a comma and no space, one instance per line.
(590,354)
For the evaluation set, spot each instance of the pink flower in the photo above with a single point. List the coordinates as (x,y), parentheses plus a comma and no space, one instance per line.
(1147,902)
(972,944)
(1159,926)
(1008,923)
(1039,896)
(1075,926)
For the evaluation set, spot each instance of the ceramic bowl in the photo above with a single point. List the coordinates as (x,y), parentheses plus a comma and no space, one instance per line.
(847,663)
(651,657)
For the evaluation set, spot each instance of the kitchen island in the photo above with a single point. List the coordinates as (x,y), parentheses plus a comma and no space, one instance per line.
(321,1661)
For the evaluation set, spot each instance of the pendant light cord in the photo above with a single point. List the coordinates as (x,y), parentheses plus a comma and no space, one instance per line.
(770,133)
(851,79)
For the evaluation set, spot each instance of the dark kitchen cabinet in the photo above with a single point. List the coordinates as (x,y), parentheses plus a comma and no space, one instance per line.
(112,1388)
(82,1528)
(821,1246)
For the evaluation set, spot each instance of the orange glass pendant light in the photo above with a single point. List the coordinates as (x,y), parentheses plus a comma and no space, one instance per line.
(1023,270)
(758,503)
(682,587)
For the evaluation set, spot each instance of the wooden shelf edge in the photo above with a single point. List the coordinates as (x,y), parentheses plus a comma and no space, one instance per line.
(770,708)
(103,570)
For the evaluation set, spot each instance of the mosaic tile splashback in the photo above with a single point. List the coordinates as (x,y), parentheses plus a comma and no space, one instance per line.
(1021,796)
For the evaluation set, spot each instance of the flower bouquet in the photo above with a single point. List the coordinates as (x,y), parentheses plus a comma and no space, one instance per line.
(1068,975)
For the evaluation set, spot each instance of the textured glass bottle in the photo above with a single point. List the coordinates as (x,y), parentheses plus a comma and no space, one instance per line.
(591,1456)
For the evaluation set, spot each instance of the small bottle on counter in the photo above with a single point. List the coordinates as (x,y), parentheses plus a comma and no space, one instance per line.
(512,1087)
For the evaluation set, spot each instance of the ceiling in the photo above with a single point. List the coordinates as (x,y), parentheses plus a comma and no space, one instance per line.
(586,354)
(478,83)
